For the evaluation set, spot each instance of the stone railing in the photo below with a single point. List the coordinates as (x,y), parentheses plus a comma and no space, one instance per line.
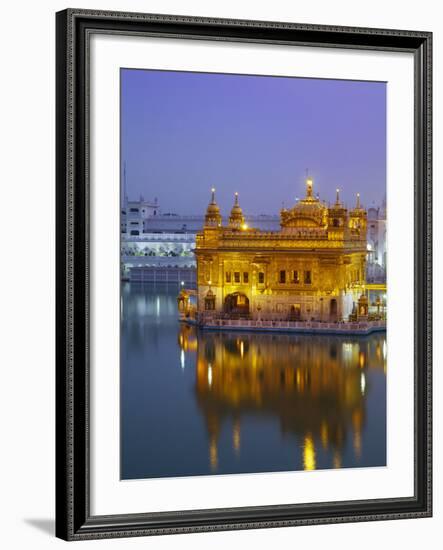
(362,327)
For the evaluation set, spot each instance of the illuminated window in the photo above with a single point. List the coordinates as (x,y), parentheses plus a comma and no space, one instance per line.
(261,278)
(236,276)
(228,276)
(282,276)
(246,277)
(308,279)
(295,277)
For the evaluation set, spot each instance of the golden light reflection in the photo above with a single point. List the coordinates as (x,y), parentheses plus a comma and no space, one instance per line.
(309,453)
(362,383)
(357,422)
(378,352)
(324,434)
(298,378)
(236,436)
(336,460)
(187,339)
(315,388)
(213,454)
(357,444)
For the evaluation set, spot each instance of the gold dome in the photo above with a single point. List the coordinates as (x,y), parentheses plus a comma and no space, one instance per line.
(236,218)
(308,212)
(337,211)
(213,216)
(358,210)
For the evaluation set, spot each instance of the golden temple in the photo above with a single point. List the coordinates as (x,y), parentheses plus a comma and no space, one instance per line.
(312,269)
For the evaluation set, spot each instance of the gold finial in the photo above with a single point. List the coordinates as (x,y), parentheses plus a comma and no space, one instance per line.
(337,196)
(309,184)
(358,201)
(236,198)
(213,195)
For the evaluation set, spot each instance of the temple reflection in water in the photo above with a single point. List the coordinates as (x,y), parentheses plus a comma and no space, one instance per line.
(315,387)
(199,402)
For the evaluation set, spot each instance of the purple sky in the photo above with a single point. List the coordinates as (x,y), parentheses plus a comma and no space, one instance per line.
(183,133)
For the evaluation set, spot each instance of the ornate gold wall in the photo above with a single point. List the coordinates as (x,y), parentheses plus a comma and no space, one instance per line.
(313,268)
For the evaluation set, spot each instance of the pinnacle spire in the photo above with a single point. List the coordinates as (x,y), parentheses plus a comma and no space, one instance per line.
(236,219)
(213,217)
(337,196)
(309,184)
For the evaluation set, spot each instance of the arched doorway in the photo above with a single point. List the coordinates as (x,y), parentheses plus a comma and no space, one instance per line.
(237,304)
(295,313)
(333,309)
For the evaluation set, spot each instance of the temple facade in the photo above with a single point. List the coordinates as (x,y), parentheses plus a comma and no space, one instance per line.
(312,269)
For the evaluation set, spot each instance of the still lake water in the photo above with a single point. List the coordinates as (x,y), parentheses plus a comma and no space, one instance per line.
(199,403)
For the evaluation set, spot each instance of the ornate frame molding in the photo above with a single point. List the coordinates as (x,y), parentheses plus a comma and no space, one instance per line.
(74,28)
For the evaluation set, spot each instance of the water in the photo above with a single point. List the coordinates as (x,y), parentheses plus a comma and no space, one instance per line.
(199,403)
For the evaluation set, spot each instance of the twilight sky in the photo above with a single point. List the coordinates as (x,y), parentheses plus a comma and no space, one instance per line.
(183,132)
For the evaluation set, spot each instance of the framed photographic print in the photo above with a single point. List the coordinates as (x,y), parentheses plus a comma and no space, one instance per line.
(243,274)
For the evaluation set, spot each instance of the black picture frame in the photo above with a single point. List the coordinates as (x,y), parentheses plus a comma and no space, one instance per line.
(73,518)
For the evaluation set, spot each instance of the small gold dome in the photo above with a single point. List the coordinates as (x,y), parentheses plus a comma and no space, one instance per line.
(236,219)
(337,213)
(358,210)
(213,216)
